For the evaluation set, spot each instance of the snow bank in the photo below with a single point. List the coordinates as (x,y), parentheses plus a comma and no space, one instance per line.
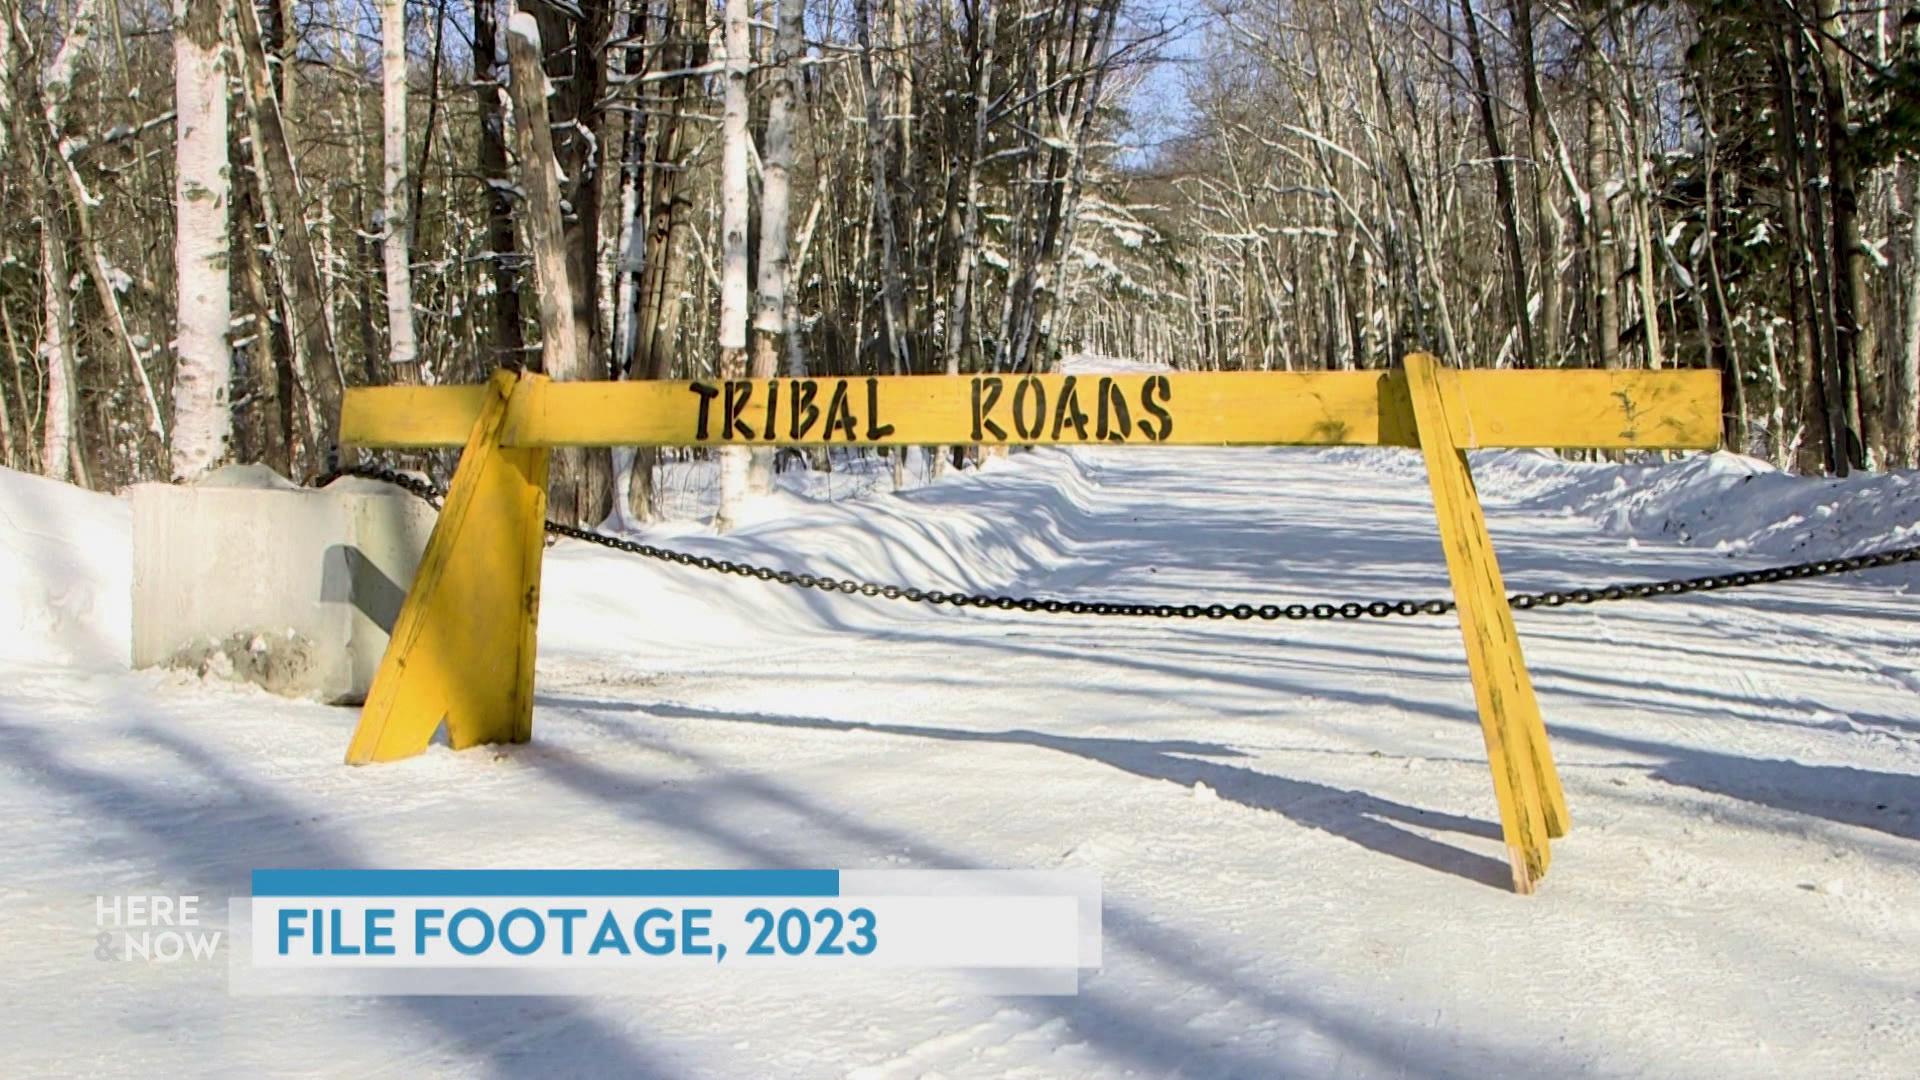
(1725,501)
(1722,501)
(66,578)
(1019,518)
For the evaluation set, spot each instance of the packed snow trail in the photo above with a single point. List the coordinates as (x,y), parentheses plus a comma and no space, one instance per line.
(1293,822)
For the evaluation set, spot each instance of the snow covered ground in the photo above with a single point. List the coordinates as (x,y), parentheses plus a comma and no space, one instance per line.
(1293,823)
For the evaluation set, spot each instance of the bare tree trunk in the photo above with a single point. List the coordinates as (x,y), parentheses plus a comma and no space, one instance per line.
(202,421)
(1624,83)
(575,65)
(628,258)
(627,255)
(365,173)
(10,51)
(539,177)
(581,479)
(663,275)
(1601,229)
(56,185)
(13,455)
(506,337)
(796,353)
(316,364)
(58,448)
(983,15)
(893,307)
(55,91)
(1803,294)
(27,458)
(396,217)
(1549,227)
(417,194)
(285,45)
(1503,187)
(1646,278)
(734,150)
(1716,312)
(1825,393)
(663,279)
(1856,361)
(899,104)
(7,458)
(776,191)
(1906,372)
(102,275)
(776,195)
(260,424)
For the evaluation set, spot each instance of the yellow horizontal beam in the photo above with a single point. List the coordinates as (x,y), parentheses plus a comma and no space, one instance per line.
(1599,409)
(404,416)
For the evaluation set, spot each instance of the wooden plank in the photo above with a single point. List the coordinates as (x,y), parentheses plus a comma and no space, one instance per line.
(1590,409)
(388,417)
(1607,409)
(1523,702)
(462,648)
(528,517)
(1502,690)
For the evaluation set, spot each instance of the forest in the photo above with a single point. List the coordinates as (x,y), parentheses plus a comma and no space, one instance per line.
(219,215)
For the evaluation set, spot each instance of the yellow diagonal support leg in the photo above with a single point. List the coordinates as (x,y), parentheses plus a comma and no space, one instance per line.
(1532,806)
(462,649)
(1526,704)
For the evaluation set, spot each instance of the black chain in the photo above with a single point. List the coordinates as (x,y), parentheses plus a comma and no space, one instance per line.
(1351,609)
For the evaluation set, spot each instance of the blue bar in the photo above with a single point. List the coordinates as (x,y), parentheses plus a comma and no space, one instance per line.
(546,883)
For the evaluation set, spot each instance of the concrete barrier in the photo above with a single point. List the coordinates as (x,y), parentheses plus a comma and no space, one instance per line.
(248,576)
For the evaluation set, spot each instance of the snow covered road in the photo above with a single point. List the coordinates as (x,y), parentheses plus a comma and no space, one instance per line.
(1293,822)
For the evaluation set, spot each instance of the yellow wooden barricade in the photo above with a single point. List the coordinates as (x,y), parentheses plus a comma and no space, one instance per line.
(462,650)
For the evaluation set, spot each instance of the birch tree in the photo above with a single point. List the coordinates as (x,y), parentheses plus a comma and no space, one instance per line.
(776,189)
(59,453)
(776,196)
(396,215)
(60,448)
(202,420)
(1602,234)
(735,148)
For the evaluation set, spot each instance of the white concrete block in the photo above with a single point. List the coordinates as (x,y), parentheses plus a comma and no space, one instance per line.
(247,575)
